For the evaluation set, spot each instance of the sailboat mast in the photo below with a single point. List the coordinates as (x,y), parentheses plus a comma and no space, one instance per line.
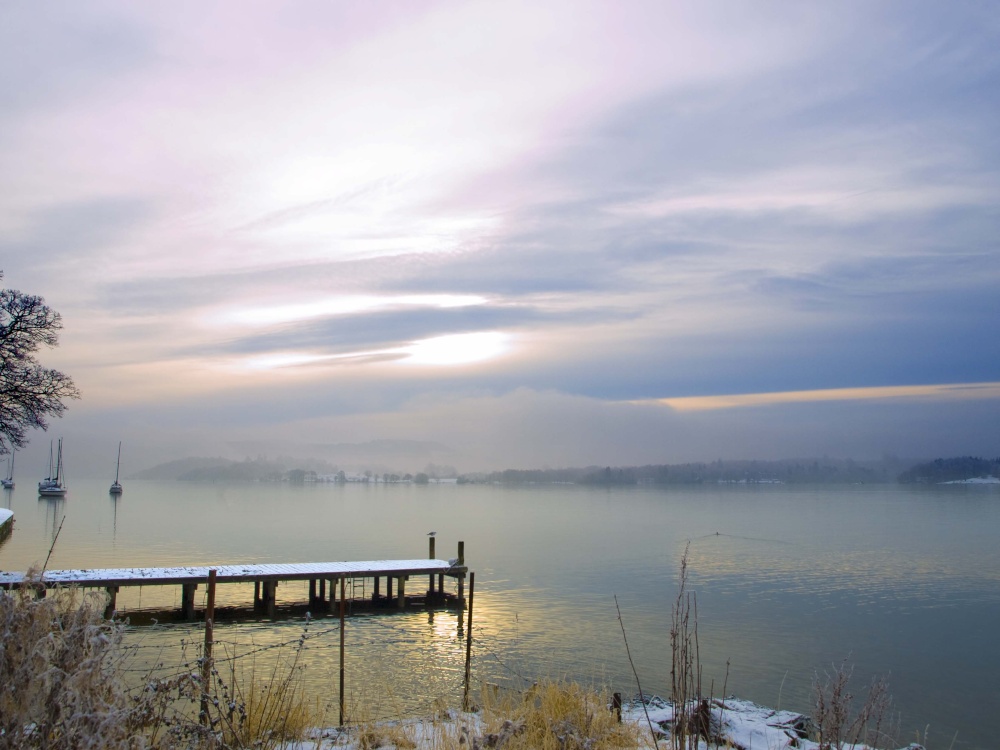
(116,488)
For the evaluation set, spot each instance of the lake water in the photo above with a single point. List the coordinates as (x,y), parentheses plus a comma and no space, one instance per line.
(790,581)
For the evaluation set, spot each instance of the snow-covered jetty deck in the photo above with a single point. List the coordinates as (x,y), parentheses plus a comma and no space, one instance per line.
(266,578)
(6,522)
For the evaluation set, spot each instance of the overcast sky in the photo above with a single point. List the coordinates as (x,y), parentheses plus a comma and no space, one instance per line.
(541,233)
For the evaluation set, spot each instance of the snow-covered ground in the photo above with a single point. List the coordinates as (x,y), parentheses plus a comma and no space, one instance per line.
(736,725)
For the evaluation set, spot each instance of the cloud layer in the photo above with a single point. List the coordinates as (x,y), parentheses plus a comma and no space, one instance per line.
(531,221)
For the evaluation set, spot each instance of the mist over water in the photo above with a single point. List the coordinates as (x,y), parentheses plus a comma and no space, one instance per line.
(790,581)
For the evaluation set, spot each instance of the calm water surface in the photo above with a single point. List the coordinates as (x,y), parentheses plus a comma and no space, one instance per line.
(789,582)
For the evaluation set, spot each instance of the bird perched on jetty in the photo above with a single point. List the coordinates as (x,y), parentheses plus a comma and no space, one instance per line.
(431,533)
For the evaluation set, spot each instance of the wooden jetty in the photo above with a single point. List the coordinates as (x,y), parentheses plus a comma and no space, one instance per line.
(266,578)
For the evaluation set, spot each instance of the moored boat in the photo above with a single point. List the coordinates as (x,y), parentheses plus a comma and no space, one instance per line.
(54,484)
(8,481)
(116,487)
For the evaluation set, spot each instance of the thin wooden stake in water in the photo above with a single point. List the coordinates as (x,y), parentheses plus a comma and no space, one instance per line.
(53,545)
(468,643)
(206,665)
(628,653)
(342,610)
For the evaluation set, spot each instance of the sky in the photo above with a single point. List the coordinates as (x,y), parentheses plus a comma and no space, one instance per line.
(541,234)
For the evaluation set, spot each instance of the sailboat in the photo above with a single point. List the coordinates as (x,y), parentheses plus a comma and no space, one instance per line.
(8,481)
(116,488)
(52,485)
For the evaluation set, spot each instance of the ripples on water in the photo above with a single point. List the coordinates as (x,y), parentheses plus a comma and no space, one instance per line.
(789,581)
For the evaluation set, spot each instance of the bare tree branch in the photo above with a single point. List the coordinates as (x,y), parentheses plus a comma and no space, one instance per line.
(29,393)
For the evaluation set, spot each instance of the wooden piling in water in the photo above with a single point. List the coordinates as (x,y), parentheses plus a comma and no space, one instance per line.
(468,643)
(270,595)
(187,599)
(342,612)
(430,578)
(109,610)
(461,580)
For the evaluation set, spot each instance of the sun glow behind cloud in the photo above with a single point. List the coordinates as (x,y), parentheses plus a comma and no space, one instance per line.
(457,349)
(439,351)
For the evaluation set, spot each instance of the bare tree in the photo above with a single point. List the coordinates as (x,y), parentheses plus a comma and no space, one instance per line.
(29,392)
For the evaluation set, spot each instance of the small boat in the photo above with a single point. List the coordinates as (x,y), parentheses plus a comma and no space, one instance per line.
(8,481)
(116,488)
(53,485)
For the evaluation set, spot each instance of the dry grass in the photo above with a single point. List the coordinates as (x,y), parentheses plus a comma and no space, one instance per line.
(691,714)
(54,655)
(251,709)
(390,735)
(367,728)
(550,716)
(553,716)
(840,724)
(63,685)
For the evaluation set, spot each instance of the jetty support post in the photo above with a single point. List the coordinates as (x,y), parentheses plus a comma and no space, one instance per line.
(375,591)
(270,594)
(109,611)
(401,592)
(430,578)
(256,596)
(322,594)
(468,643)
(187,599)
(461,579)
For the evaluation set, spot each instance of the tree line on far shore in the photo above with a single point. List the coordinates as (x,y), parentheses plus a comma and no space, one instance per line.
(787,471)
(951,470)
